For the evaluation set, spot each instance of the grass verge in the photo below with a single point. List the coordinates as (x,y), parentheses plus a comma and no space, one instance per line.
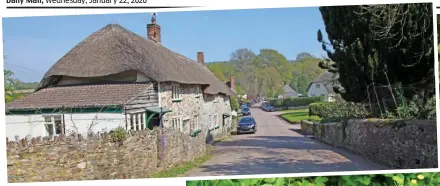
(184,167)
(295,116)
(224,138)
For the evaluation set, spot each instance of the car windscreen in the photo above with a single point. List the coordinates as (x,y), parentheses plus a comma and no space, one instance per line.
(245,109)
(246,120)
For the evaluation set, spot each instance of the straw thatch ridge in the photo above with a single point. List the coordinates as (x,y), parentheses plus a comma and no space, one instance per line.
(328,79)
(114,49)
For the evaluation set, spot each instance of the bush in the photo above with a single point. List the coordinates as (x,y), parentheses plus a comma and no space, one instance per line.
(322,109)
(398,179)
(118,135)
(295,102)
(234,103)
(416,109)
(338,111)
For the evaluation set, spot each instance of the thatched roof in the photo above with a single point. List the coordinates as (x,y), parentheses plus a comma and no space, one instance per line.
(289,92)
(328,79)
(114,49)
(326,76)
(80,96)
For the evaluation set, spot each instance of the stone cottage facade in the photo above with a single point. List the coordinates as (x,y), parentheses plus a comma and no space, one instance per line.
(116,78)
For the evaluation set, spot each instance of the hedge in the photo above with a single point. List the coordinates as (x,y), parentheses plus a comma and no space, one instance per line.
(321,109)
(295,102)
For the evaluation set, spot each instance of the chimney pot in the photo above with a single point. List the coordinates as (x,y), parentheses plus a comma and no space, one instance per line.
(200,57)
(153,30)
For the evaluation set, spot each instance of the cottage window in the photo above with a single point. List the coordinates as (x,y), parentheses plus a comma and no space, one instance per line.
(214,121)
(176,92)
(323,95)
(142,121)
(131,122)
(196,122)
(176,123)
(318,85)
(197,91)
(210,122)
(185,126)
(54,125)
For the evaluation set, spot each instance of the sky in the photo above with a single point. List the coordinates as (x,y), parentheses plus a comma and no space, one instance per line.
(33,44)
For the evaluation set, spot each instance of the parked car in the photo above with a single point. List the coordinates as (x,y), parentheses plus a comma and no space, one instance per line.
(263,105)
(247,124)
(246,111)
(269,108)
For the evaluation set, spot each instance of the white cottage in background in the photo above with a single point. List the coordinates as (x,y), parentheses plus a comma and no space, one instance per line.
(323,86)
(116,78)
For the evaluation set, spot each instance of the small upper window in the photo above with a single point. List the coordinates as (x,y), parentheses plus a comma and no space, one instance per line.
(318,85)
(176,92)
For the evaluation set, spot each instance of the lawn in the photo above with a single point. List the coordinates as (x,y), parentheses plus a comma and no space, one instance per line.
(295,116)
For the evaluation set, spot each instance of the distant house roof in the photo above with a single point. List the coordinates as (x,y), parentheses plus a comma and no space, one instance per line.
(114,49)
(328,79)
(80,96)
(289,92)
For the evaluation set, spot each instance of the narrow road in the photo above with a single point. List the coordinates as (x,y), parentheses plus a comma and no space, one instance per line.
(276,148)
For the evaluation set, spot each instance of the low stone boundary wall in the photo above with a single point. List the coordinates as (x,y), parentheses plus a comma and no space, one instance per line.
(67,158)
(397,143)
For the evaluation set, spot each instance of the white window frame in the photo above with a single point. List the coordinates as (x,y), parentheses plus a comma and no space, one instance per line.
(196,122)
(185,128)
(214,121)
(198,91)
(210,122)
(175,92)
(53,125)
(176,123)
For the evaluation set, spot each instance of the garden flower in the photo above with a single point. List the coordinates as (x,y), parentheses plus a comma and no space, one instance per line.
(420,176)
(414,181)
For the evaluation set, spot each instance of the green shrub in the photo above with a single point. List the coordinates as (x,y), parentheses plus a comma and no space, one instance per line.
(118,135)
(322,109)
(398,179)
(338,111)
(295,102)
(416,109)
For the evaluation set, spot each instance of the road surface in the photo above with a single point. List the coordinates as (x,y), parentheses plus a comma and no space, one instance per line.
(275,149)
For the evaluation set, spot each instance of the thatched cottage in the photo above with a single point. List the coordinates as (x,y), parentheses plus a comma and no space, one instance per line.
(117,78)
(323,86)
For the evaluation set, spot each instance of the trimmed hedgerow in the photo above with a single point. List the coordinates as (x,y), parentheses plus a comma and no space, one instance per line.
(322,109)
(295,102)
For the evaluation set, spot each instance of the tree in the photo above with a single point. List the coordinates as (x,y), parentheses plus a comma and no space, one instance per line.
(303,55)
(9,86)
(378,44)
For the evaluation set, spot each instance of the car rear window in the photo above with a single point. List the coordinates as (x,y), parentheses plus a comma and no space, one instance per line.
(245,120)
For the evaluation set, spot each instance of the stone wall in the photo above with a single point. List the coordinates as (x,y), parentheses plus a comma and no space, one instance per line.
(98,157)
(396,143)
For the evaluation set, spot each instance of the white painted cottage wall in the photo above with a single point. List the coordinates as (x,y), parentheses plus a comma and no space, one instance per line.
(315,91)
(33,125)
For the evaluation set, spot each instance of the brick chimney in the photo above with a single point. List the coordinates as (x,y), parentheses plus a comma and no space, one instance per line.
(232,82)
(153,30)
(200,57)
